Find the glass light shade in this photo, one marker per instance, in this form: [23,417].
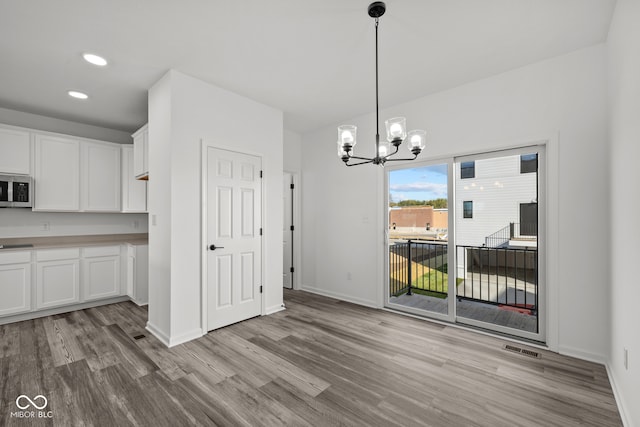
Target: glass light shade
[416,140]
[384,149]
[347,135]
[396,129]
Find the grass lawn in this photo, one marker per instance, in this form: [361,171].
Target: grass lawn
[434,282]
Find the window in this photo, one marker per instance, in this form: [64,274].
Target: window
[467,170]
[529,163]
[467,209]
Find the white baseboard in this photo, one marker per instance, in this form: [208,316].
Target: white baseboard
[617,396]
[581,354]
[156,332]
[172,341]
[337,295]
[274,309]
[187,336]
[58,310]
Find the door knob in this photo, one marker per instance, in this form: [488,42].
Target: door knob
[214,247]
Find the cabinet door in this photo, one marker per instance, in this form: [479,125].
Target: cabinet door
[100,277]
[140,152]
[15,289]
[57,174]
[57,283]
[134,191]
[15,151]
[100,177]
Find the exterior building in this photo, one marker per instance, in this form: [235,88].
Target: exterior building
[418,222]
[492,194]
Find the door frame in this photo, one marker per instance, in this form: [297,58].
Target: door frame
[205,144]
[297,233]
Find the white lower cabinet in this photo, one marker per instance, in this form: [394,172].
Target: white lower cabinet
[15,283]
[33,280]
[100,272]
[57,277]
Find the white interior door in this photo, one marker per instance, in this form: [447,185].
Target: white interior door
[287,232]
[233,217]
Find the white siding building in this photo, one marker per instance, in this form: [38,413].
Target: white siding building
[491,194]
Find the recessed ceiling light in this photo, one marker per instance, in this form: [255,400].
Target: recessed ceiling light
[76,94]
[95,59]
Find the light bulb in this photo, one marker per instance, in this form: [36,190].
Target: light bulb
[382,150]
[395,130]
[415,140]
[347,137]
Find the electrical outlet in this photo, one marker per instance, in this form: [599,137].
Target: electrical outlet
[626,359]
[136,223]
[349,275]
[153,220]
[46,225]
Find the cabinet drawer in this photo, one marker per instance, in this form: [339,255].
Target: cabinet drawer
[57,254]
[101,251]
[18,257]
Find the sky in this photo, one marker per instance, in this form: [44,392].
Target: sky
[422,183]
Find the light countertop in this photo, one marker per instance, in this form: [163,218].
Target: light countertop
[51,242]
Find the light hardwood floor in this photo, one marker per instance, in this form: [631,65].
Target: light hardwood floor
[320,362]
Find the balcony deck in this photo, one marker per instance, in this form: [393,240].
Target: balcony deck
[475,310]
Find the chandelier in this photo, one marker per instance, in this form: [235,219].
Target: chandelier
[396,127]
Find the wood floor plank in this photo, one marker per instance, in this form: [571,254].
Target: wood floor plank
[62,342]
[320,362]
[131,357]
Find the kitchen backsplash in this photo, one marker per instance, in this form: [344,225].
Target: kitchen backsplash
[26,223]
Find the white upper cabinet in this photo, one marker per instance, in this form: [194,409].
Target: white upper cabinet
[57,173]
[141,153]
[134,192]
[100,177]
[15,151]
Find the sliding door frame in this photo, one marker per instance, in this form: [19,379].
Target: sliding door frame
[541,290]
[547,165]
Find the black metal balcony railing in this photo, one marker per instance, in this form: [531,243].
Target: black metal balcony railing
[512,231]
[415,264]
[499,276]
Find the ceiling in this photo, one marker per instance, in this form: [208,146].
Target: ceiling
[313,60]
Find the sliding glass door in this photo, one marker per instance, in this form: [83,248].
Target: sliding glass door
[497,210]
[466,243]
[418,244]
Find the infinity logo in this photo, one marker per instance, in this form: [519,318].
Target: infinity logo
[23,397]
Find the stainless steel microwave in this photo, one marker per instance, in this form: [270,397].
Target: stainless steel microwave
[16,191]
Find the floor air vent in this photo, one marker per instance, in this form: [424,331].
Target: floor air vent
[524,351]
[139,337]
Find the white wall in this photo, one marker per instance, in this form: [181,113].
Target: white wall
[624,132]
[50,124]
[26,223]
[292,146]
[182,112]
[563,99]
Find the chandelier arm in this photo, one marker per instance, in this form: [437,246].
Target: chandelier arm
[360,163]
[361,158]
[398,160]
[395,152]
